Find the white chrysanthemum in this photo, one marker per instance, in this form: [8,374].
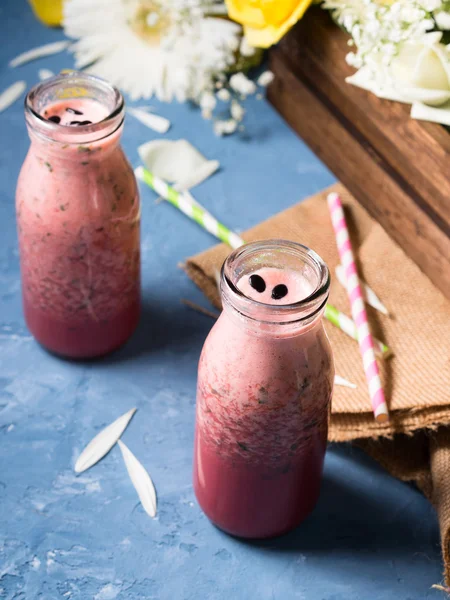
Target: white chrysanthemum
[169,48]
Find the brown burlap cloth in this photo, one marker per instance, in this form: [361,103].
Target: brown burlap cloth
[415,444]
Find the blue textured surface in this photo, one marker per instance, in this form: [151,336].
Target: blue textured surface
[87,537]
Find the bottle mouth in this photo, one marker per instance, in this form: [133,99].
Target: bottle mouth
[74,85]
[285,256]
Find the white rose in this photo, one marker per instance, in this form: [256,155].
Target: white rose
[420,71]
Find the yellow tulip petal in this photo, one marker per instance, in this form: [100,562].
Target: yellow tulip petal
[245,12]
[50,12]
[264,37]
[277,12]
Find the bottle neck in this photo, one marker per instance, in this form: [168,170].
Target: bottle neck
[276,330]
[94,139]
[258,312]
[92,151]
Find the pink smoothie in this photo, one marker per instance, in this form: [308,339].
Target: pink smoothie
[263,405]
[274,286]
[78,221]
[75,113]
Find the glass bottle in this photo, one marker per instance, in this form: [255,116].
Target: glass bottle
[265,383]
[78,219]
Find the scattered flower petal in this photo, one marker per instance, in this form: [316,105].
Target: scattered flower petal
[265,78]
[145,107]
[140,479]
[39,52]
[103,442]
[11,94]
[155,122]
[344,382]
[178,162]
[45,74]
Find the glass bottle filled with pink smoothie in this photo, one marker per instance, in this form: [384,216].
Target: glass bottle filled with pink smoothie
[265,382]
[78,218]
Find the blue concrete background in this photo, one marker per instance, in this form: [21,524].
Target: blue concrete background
[87,537]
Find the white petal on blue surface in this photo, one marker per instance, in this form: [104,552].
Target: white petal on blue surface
[39,52]
[140,479]
[11,94]
[103,442]
[155,122]
[178,162]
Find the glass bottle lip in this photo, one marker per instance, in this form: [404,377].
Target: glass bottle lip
[305,310]
[81,82]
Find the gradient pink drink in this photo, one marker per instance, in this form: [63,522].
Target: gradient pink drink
[78,217]
[264,392]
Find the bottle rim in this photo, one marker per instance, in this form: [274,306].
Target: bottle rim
[303,310]
[75,85]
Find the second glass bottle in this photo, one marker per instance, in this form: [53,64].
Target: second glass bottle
[78,218]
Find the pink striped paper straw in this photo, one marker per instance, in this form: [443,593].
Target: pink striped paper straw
[359,314]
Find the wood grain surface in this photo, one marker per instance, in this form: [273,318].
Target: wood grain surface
[398,168]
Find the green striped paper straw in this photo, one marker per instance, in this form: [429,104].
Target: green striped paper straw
[202,217]
[345,324]
[190,208]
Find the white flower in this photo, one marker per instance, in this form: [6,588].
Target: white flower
[265,78]
[431,5]
[442,19]
[353,60]
[225,127]
[245,48]
[379,28]
[237,111]
[420,72]
[224,95]
[169,48]
[208,101]
[242,84]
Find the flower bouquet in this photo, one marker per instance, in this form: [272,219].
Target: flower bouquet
[193,49]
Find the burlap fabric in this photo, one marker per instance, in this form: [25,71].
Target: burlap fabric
[414,445]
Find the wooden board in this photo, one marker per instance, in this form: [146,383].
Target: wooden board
[398,168]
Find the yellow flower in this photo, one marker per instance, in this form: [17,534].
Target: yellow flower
[48,11]
[266,21]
